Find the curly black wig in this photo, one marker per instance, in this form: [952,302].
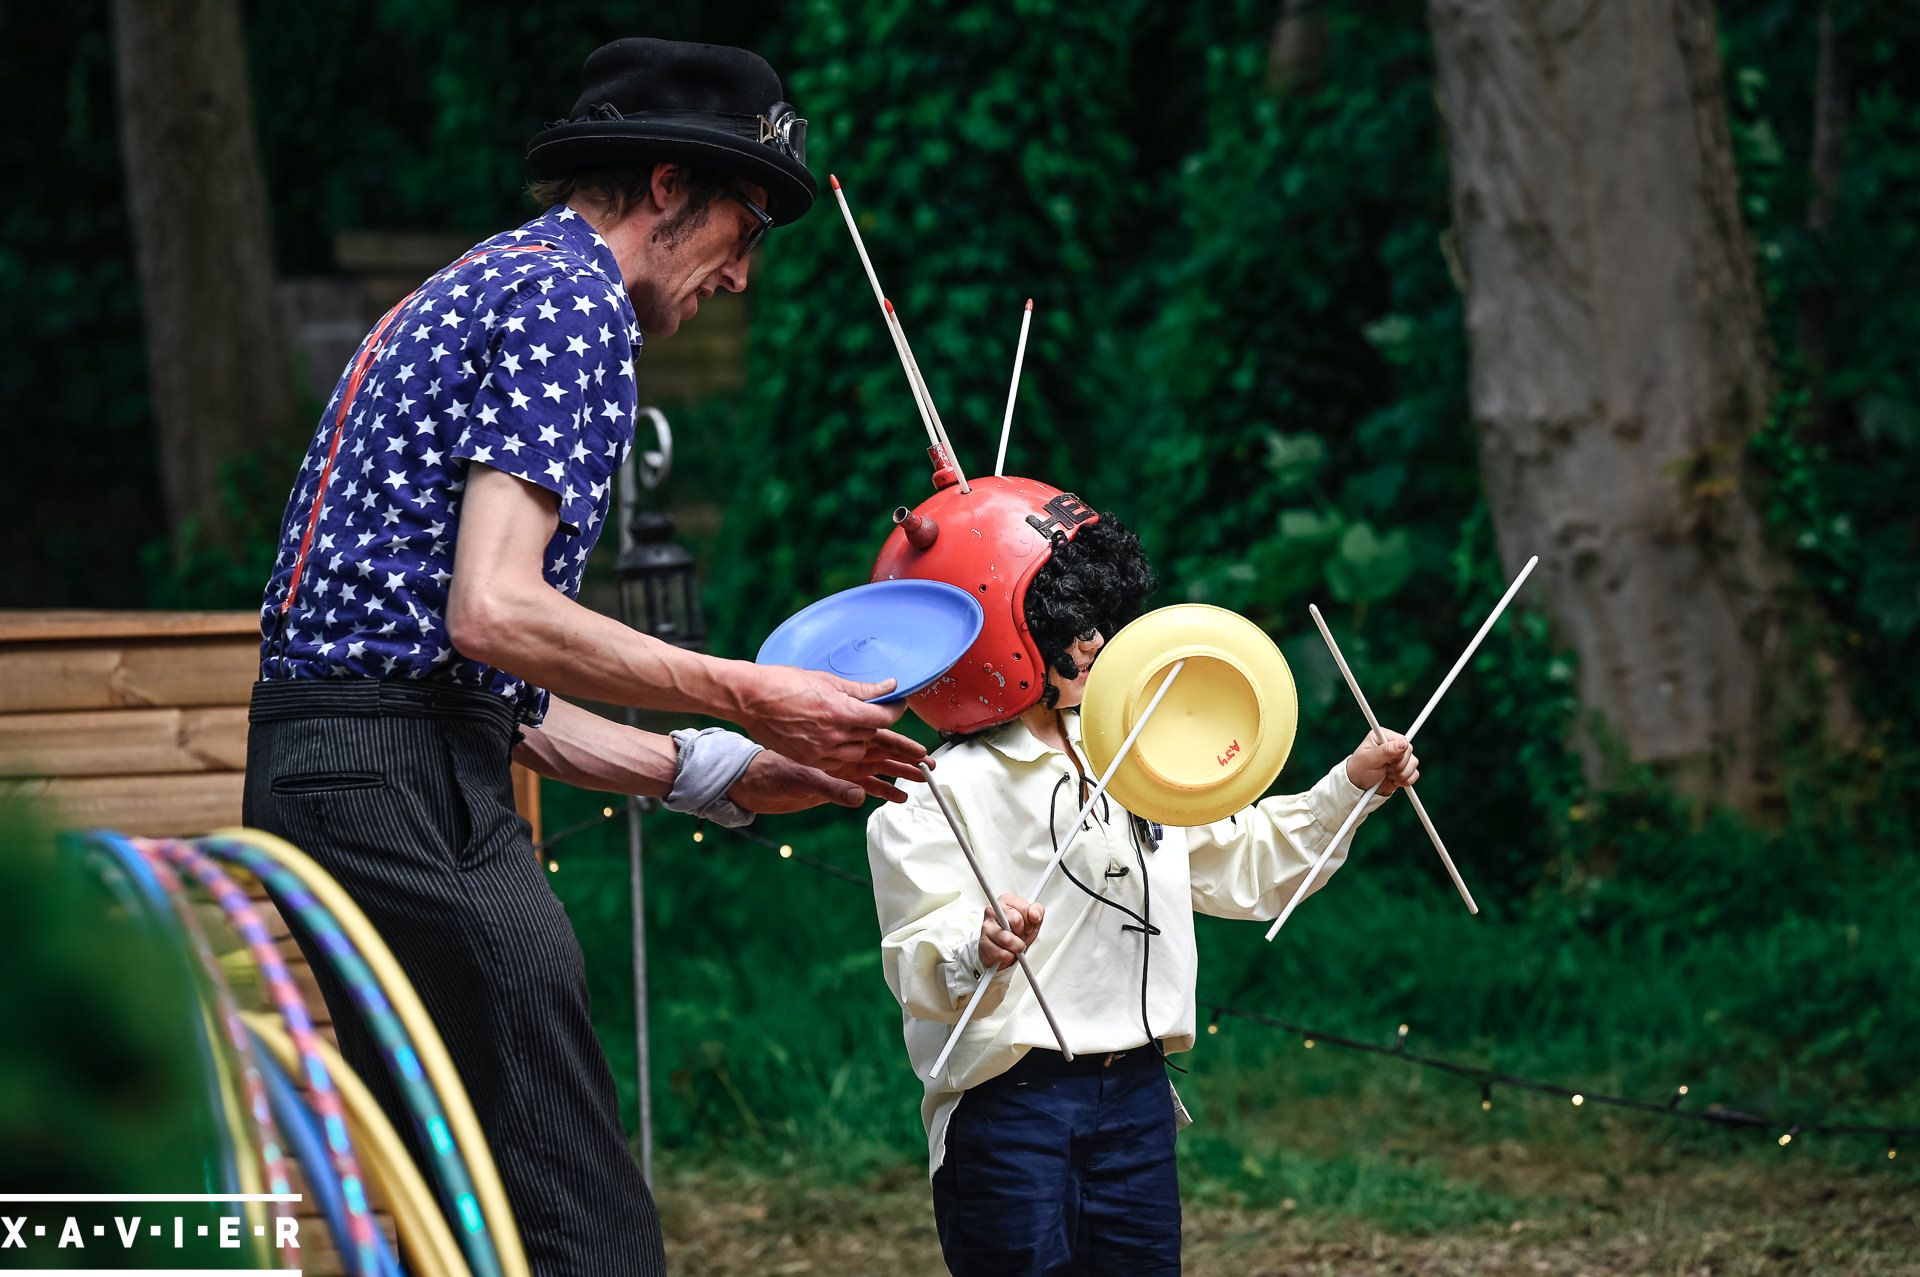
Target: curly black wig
[1100,580]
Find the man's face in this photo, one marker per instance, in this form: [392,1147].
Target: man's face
[692,257]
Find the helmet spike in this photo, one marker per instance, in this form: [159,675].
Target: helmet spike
[920,530]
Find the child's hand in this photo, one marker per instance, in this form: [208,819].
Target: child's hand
[999,946]
[1392,765]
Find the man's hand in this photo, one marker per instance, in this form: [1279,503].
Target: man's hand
[872,776]
[774,785]
[999,946]
[1392,765]
[824,721]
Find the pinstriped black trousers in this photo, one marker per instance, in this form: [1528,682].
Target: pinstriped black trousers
[402,793]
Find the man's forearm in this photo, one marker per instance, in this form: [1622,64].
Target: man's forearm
[542,636]
[581,748]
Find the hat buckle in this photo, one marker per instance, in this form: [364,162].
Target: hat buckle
[777,127]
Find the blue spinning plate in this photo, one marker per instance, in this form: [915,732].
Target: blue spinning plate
[908,631]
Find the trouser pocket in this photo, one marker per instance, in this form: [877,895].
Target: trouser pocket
[332,782]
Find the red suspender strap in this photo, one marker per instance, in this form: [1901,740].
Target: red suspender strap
[370,350]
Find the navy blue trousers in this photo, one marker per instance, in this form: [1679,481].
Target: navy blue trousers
[1061,1168]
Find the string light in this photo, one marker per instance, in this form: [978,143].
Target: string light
[591,822]
[1487,1079]
[1309,1038]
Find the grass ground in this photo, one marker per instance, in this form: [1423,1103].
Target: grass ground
[1617,1200]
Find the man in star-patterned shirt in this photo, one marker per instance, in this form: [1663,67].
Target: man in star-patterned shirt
[422,609]
[518,357]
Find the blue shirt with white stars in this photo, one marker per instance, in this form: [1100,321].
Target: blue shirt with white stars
[518,356]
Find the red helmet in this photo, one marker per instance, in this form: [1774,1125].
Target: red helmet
[989,542]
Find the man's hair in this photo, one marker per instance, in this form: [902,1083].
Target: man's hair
[1100,580]
[619,189]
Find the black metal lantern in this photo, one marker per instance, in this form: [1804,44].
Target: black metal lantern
[659,589]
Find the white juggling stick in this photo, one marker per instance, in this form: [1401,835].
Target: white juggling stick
[1013,390]
[1419,808]
[1353,817]
[922,399]
[1086,808]
[980,876]
[920,382]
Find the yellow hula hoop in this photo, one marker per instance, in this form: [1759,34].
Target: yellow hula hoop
[462,1122]
[425,1235]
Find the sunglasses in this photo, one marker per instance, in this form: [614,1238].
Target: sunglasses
[763,223]
[782,129]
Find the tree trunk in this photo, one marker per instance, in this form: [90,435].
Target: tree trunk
[217,361]
[1824,172]
[1620,364]
[1297,54]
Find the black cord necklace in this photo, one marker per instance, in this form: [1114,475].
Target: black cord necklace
[1142,922]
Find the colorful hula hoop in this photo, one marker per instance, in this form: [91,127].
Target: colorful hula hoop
[425,1236]
[358,1249]
[449,1169]
[464,1125]
[161,907]
[310,1147]
[273,1157]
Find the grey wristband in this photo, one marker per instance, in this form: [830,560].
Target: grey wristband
[711,760]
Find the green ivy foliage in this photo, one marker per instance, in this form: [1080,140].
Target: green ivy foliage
[984,164]
[1842,475]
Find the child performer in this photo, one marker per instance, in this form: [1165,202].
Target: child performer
[1041,1165]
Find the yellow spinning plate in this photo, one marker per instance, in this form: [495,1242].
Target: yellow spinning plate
[1219,738]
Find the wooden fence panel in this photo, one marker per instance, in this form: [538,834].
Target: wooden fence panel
[123,742]
[108,675]
[156,806]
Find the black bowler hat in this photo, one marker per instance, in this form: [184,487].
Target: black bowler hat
[709,106]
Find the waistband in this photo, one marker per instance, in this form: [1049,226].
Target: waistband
[1041,1062]
[280,699]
